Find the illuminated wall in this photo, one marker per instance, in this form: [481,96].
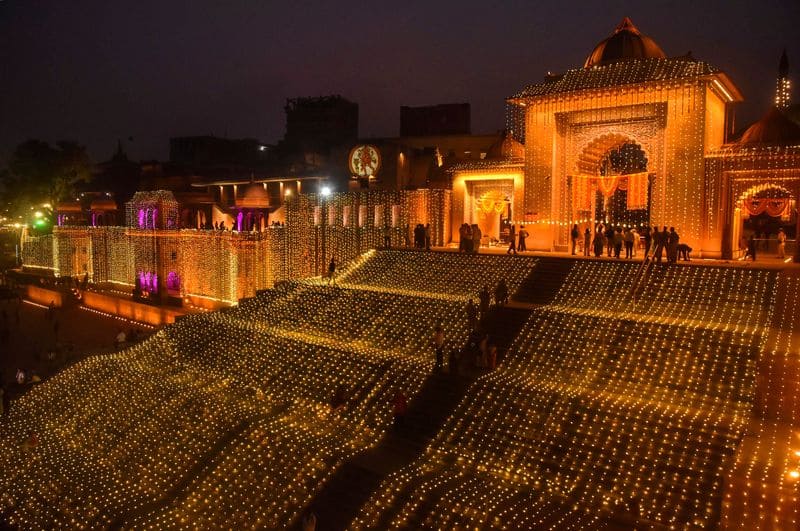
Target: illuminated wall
[38,252]
[731,171]
[225,266]
[512,174]
[674,122]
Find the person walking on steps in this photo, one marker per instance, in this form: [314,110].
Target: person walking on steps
[332,272]
[438,346]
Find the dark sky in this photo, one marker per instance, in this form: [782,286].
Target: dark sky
[98,70]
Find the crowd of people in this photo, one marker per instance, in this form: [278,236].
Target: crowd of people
[664,243]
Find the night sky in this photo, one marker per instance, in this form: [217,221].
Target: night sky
[98,70]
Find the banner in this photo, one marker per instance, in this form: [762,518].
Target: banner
[773,207]
[637,191]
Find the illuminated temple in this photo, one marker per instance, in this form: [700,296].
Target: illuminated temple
[626,396]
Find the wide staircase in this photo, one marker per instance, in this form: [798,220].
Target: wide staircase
[608,412]
[224,419]
[624,400]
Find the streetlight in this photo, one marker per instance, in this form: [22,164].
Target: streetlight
[325,191]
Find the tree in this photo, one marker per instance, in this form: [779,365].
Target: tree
[41,174]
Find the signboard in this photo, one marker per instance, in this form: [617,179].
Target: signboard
[364,161]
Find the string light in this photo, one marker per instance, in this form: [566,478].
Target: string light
[605,409]
[234,405]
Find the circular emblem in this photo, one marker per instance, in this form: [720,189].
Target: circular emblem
[364,160]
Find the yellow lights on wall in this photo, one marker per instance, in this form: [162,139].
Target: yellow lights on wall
[666,107]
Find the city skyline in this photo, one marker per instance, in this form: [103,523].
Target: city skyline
[104,72]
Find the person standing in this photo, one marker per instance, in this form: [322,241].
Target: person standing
[598,243]
[672,246]
[484,299]
[587,242]
[501,293]
[512,236]
[523,234]
[332,272]
[636,241]
[438,346]
[648,239]
[781,243]
[658,241]
[617,242]
[628,244]
[574,234]
[751,248]
[476,238]
[472,315]
[387,237]
[609,240]
[399,408]
[427,236]
[407,235]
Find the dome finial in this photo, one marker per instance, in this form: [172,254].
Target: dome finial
[627,25]
[626,43]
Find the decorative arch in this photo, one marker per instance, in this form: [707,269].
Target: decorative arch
[592,153]
[777,201]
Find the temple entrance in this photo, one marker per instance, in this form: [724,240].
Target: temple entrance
[760,213]
[489,205]
[614,201]
[612,185]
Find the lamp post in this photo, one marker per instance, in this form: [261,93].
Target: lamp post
[325,191]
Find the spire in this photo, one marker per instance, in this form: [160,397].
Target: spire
[782,91]
[627,25]
[783,67]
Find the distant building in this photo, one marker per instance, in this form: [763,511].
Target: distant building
[211,151]
[435,120]
[422,161]
[320,123]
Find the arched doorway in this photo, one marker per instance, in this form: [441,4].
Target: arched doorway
[612,184]
[626,160]
[761,211]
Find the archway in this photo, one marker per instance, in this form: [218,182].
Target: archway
[612,184]
[760,211]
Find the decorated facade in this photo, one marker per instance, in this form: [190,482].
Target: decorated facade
[622,140]
[159,262]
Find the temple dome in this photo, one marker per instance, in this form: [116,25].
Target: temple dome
[626,43]
[506,148]
[255,196]
[103,203]
[773,129]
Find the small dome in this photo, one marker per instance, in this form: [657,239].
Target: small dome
[103,203]
[626,43]
[255,196]
[773,129]
[69,206]
[506,148]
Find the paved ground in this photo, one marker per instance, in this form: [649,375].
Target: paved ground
[32,337]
